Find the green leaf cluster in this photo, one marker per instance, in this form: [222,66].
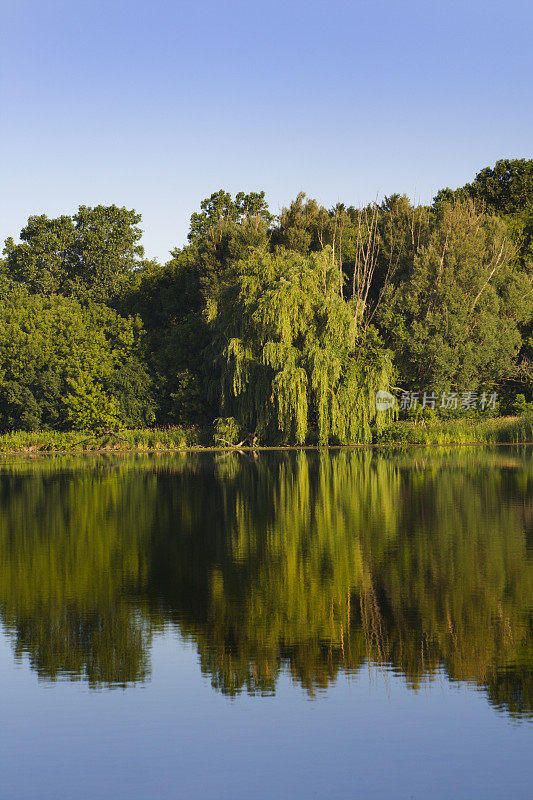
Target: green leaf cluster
[454,320]
[293,363]
[63,365]
[88,256]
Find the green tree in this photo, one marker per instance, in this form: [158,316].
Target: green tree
[171,300]
[89,408]
[304,226]
[453,322]
[65,365]
[292,362]
[506,190]
[88,256]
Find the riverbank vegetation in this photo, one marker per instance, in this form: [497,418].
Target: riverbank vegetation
[469,431]
[494,430]
[273,330]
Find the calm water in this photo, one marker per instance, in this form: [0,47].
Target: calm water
[290,626]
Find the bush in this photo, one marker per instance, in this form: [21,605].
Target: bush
[521,406]
[226,431]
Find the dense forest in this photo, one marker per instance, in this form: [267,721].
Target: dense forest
[280,329]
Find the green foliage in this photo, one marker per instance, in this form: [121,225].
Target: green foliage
[304,226]
[169,301]
[292,363]
[288,324]
[454,321]
[226,431]
[87,256]
[220,214]
[63,365]
[89,408]
[172,299]
[506,190]
[132,439]
[521,406]
[425,430]
[465,430]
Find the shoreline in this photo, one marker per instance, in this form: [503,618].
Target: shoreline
[404,434]
[246,450]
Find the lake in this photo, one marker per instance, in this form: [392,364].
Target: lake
[278,625]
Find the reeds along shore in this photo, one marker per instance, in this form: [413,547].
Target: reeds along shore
[497,430]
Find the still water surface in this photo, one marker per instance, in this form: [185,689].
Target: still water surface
[293,625]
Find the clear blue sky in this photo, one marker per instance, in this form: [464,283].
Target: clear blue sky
[154,105]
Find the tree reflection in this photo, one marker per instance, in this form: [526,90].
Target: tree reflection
[310,563]
[73,549]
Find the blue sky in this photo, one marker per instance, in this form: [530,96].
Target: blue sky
[154,105]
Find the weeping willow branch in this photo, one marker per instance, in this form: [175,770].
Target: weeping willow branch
[298,369]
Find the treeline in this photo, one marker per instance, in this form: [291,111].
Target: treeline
[282,328]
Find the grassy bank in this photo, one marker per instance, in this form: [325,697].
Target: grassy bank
[148,440]
[499,430]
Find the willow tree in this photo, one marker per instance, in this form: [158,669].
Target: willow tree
[294,366]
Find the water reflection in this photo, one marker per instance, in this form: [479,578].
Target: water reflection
[310,563]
